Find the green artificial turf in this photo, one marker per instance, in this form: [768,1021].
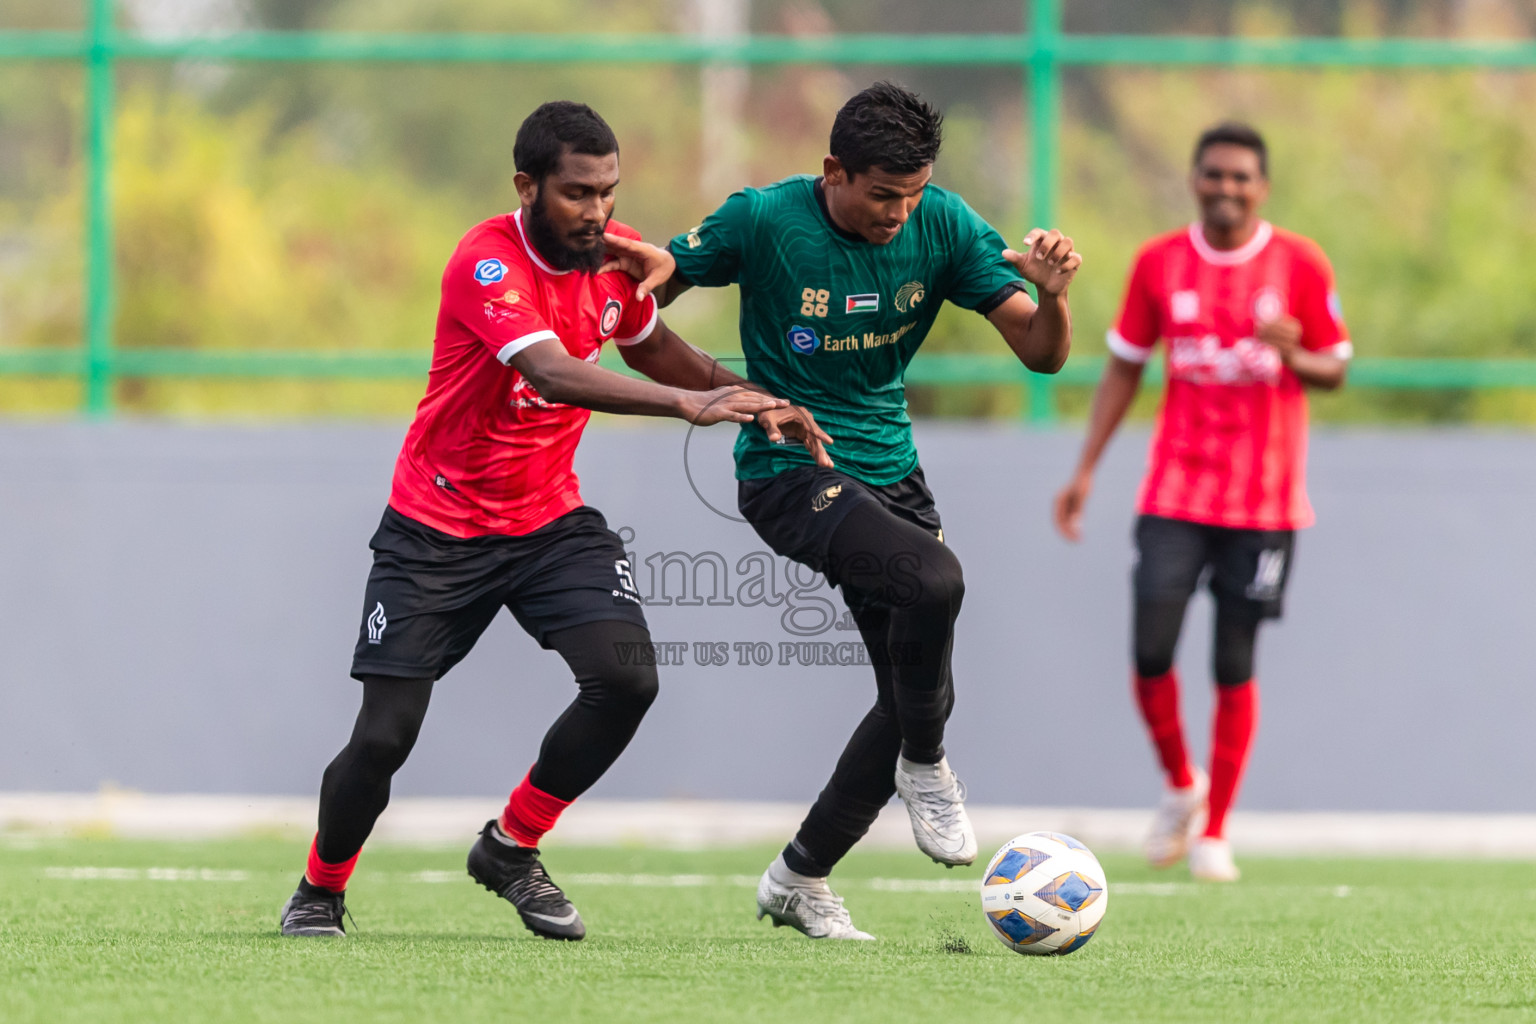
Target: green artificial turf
[187,931]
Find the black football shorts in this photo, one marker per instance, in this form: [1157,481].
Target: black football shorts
[797,511]
[430,595]
[1250,566]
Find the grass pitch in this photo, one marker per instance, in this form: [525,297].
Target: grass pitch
[112,930]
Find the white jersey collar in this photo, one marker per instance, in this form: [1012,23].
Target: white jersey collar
[1230,257]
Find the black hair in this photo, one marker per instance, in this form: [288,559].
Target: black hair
[1233,133]
[888,127]
[556,129]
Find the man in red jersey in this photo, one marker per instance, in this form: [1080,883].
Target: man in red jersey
[485,511]
[1249,318]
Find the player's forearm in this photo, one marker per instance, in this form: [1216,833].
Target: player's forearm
[1046,340]
[1317,369]
[569,381]
[670,289]
[1116,390]
[672,361]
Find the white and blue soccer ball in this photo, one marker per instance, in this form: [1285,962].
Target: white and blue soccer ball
[1044,894]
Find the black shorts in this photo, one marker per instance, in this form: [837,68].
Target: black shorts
[1250,566]
[797,511]
[430,595]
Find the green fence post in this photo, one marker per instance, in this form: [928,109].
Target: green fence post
[1045,144]
[99,284]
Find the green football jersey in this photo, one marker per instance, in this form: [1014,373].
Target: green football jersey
[830,321]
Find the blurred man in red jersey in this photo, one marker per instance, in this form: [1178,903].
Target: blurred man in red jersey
[1249,319]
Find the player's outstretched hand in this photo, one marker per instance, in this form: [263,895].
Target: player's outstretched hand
[797,422]
[649,264]
[728,405]
[1048,261]
[1068,508]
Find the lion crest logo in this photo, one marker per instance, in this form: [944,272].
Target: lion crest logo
[909,296]
[822,501]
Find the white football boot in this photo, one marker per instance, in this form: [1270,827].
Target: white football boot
[1176,818]
[806,904]
[1210,860]
[935,800]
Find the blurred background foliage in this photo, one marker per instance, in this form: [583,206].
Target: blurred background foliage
[283,206]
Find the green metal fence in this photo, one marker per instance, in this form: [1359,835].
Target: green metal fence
[1041,54]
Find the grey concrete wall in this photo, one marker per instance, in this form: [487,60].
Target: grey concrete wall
[178,607]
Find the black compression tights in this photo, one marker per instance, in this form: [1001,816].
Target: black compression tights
[1236,632]
[584,741]
[905,588]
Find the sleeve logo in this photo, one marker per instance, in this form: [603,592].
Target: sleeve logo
[909,296]
[490,271]
[869,302]
[803,340]
[1335,307]
[694,241]
[611,312]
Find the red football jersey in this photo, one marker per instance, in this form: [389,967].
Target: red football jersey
[486,454]
[1230,446]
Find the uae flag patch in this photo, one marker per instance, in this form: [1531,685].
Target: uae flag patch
[869,303]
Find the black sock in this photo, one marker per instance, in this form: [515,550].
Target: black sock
[933,756]
[310,891]
[798,860]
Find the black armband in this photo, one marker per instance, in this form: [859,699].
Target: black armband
[1000,296]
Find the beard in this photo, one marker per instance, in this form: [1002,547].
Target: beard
[561,256]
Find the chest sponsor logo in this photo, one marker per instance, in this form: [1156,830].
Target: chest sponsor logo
[803,339]
[813,301]
[490,271]
[869,302]
[1268,304]
[611,312]
[824,500]
[1184,307]
[376,624]
[1206,360]
[869,339]
[909,296]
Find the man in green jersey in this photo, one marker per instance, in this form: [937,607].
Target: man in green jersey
[841,277]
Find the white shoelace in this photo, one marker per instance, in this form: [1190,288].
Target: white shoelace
[825,903]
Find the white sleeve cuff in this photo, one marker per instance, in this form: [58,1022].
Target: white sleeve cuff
[645,332]
[515,346]
[1125,350]
[1343,350]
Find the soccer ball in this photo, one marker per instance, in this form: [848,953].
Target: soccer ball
[1044,894]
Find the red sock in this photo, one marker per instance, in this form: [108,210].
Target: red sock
[530,813]
[1158,698]
[1237,716]
[328,876]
